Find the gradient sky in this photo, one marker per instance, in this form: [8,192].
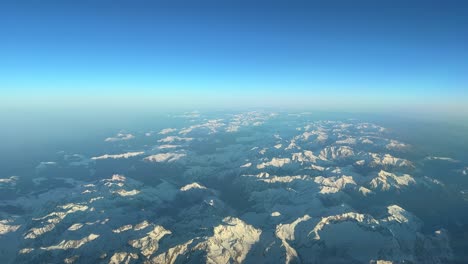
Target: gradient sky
[330,54]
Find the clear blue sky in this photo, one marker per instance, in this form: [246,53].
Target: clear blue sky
[331,54]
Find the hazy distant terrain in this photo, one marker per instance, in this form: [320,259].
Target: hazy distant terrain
[242,187]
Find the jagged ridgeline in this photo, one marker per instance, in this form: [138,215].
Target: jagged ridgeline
[255,187]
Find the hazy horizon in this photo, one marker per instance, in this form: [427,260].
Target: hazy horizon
[366,56]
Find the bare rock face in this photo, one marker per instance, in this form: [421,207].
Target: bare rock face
[285,232]
[49,221]
[123,258]
[72,244]
[6,227]
[333,184]
[171,255]
[274,162]
[306,156]
[165,157]
[389,181]
[230,242]
[149,243]
[384,161]
[336,153]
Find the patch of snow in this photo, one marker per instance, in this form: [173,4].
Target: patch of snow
[194,185]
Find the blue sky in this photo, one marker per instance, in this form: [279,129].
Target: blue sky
[330,54]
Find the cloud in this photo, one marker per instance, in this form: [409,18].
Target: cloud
[119,156]
[171,139]
[45,164]
[10,180]
[120,137]
[167,131]
[168,146]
